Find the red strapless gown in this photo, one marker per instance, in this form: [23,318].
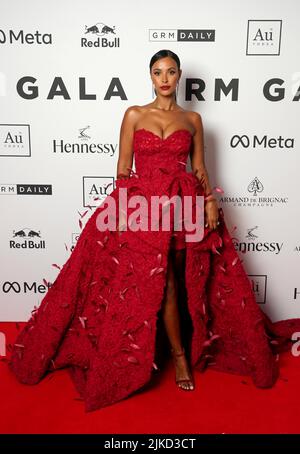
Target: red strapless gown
[100,316]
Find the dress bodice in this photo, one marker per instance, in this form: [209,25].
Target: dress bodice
[152,151]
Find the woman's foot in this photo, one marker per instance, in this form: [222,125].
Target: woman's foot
[183,376]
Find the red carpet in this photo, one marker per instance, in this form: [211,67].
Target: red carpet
[221,403]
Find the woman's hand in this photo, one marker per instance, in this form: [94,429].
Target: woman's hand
[211,214]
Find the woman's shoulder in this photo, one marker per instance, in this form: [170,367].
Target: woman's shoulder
[136,108]
[192,114]
[194,118]
[134,112]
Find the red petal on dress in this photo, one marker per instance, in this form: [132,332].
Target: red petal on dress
[56,266]
[132,359]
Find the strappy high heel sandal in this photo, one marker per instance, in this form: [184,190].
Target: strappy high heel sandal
[179,381]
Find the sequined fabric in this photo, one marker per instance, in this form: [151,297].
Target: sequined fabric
[99,318]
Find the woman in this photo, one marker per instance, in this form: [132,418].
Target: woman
[101,317]
[163,117]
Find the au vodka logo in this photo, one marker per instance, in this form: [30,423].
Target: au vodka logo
[15,140]
[259,287]
[96,189]
[263,37]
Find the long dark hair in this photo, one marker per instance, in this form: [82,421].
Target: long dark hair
[162,54]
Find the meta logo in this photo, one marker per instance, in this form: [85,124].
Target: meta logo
[20,37]
[244,141]
[103,36]
[24,287]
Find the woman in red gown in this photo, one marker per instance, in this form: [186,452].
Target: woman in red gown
[121,291]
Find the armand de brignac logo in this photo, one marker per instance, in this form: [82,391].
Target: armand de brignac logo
[255,186]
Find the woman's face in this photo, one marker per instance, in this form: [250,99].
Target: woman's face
[165,73]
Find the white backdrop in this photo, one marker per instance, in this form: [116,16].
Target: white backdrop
[56,152]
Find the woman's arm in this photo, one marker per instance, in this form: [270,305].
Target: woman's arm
[197,154]
[125,159]
[199,169]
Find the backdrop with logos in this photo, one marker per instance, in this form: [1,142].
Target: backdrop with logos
[70,69]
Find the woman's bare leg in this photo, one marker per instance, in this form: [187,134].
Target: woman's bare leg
[171,320]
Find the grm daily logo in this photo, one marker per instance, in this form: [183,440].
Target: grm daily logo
[188,35]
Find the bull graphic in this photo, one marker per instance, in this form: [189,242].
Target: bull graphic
[100,29]
[19,233]
[107,29]
[32,233]
[93,29]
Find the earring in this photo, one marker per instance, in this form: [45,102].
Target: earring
[153,91]
[177,90]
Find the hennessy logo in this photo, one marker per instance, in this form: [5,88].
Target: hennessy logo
[82,134]
[250,233]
